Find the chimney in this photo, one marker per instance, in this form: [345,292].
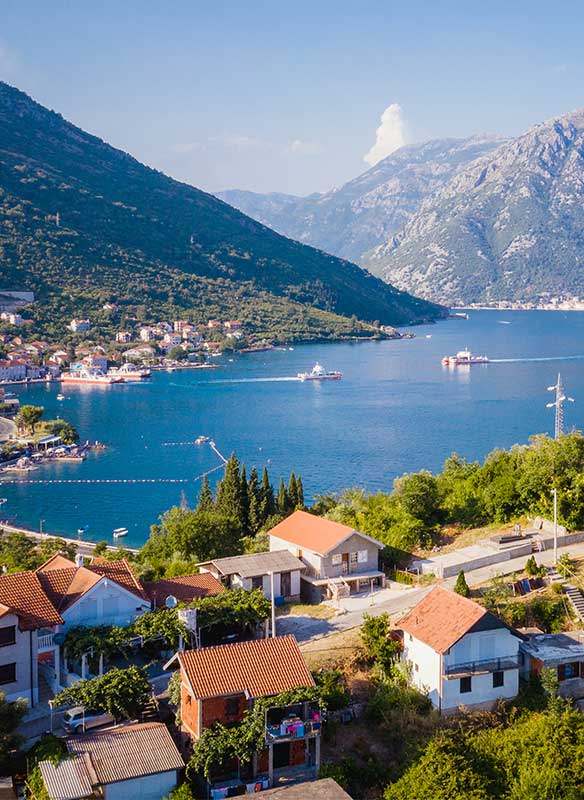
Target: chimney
[79,560]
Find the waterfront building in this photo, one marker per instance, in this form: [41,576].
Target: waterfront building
[12,370]
[339,560]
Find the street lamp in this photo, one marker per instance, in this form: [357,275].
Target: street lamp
[555,494]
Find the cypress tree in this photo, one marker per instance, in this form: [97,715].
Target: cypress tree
[461,586]
[299,492]
[229,500]
[292,492]
[283,502]
[268,504]
[244,499]
[255,501]
[205,502]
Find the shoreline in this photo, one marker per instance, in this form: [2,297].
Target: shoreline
[82,544]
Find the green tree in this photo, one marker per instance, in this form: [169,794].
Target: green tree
[255,502]
[123,693]
[29,417]
[59,427]
[229,498]
[292,492]
[299,492]
[268,503]
[380,648]
[244,519]
[461,586]
[11,715]
[205,502]
[283,501]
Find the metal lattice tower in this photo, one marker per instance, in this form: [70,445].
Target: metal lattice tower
[558,404]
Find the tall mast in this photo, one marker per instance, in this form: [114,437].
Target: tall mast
[558,404]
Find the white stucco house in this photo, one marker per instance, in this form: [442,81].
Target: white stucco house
[133,760]
[38,606]
[459,653]
[252,571]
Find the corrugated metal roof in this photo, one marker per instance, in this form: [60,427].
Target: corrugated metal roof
[128,751]
[259,668]
[254,564]
[69,780]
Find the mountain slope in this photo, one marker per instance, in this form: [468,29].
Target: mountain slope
[510,227]
[129,233]
[366,211]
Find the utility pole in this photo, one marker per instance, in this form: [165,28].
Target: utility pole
[558,404]
[555,494]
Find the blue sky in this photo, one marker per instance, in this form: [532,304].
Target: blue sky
[275,96]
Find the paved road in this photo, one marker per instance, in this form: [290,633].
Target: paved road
[84,548]
[307,629]
[7,429]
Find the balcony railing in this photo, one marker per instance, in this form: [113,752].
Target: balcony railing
[45,642]
[477,667]
[296,730]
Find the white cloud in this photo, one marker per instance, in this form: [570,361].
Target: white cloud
[304,148]
[389,136]
[243,143]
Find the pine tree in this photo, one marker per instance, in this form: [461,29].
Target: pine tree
[268,504]
[283,502]
[244,499]
[299,492]
[461,586]
[205,502]
[292,492]
[229,500]
[255,501]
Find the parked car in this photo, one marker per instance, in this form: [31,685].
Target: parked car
[80,719]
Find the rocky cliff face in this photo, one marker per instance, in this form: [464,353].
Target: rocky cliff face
[368,210]
[510,226]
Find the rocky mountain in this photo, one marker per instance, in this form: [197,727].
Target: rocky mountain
[368,210]
[508,227]
[82,223]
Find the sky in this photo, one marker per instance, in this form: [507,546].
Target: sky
[292,97]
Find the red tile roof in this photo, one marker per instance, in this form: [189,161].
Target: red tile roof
[23,594]
[259,668]
[443,617]
[314,533]
[56,562]
[120,572]
[185,588]
[56,583]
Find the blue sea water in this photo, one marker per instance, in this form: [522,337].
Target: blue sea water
[396,409]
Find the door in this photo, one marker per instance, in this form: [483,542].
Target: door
[281,755]
[345,563]
[285,584]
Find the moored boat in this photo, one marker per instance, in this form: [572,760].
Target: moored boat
[119,532]
[89,375]
[129,372]
[319,373]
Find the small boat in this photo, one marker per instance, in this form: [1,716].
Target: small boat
[3,500]
[60,397]
[201,440]
[464,358]
[290,348]
[82,530]
[319,373]
[119,532]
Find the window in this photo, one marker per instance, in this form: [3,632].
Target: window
[8,635]
[362,556]
[232,707]
[337,559]
[465,685]
[498,679]
[354,559]
[257,582]
[7,673]
[572,670]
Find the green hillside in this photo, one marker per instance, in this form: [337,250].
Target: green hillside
[157,247]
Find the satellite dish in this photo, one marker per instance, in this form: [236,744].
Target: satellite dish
[171,601]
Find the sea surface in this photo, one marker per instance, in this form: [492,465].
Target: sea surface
[395,410]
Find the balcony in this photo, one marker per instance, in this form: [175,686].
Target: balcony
[481,667]
[299,721]
[45,641]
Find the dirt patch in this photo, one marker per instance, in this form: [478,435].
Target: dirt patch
[319,611]
[332,651]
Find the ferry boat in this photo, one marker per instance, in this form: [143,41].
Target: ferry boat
[464,358]
[90,375]
[119,532]
[319,373]
[129,372]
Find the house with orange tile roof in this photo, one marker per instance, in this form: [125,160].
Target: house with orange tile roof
[184,588]
[221,684]
[36,606]
[339,560]
[459,653]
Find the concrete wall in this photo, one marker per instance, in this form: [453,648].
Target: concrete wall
[20,654]
[106,603]
[150,787]
[424,665]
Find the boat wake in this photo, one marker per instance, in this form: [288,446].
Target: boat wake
[541,358]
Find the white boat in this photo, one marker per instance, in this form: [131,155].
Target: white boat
[60,397]
[119,532]
[201,439]
[89,375]
[464,358]
[129,372]
[319,373]
[3,500]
